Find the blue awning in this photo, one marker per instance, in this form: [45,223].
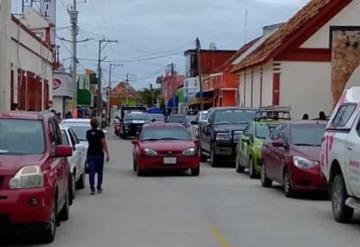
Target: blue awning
[206,94]
[170,103]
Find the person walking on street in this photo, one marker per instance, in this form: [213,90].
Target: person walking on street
[95,156]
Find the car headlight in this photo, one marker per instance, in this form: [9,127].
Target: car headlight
[222,137]
[303,163]
[150,152]
[190,152]
[27,177]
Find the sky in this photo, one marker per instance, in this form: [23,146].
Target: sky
[154,33]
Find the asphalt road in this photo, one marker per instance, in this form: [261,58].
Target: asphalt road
[218,209]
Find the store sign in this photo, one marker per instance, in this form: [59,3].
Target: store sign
[63,85]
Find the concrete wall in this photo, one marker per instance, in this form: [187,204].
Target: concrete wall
[305,86]
[349,16]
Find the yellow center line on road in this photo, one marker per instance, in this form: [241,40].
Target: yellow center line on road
[218,236]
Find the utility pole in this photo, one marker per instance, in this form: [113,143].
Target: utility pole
[109,90]
[198,55]
[5,90]
[99,90]
[74,32]
[173,83]
[151,95]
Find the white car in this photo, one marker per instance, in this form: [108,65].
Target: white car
[194,128]
[77,160]
[80,127]
[340,155]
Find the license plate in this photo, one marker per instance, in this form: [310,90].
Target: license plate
[169,161]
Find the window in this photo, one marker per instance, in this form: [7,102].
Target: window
[307,135]
[65,139]
[343,115]
[154,134]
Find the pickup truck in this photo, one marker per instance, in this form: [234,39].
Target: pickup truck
[340,156]
[221,132]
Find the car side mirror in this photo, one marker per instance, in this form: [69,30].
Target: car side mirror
[279,143]
[194,122]
[245,139]
[63,151]
[135,142]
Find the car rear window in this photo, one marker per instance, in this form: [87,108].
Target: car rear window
[233,117]
[21,137]
[307,135]
[262,131]
[154,134]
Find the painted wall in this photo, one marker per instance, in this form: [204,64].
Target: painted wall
[349,16]
[305,87]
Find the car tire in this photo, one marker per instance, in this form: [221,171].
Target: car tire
[239,168]
[341,212]
[64,214]
[203,157]
[134,165]
[72,188]
[265,181]
[80,184]
[213,158]
[195,172]
[288,188]
[47,235]
[252,172]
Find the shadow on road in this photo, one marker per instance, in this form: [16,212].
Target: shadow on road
[19,239]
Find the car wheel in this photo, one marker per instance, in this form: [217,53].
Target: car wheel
[239,168]
[252,173]
[195,172]
[139,171]
[48,235]
[80,184]
[65,211]
[213,158]
[341,212]
[265,181]
[203,158]
[288,189]
[134,165]
[72,188]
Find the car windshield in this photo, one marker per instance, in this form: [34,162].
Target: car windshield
[310,135]
[157,117]
[137,116]
[262,131]
[14,132]
[154,134]
[80,130]
[233,117]
[177,119]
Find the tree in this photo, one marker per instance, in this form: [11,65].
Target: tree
[149,98]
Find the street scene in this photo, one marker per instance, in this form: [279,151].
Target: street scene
[118,128]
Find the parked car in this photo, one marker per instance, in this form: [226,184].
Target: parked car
[132,124]
[128,109]
[35,176]
[165,146]
[80,127]
[177,118]
[248,150]
[291,156]
[220,134]
[77,161]
[340,156]
[250,144]
[156,117]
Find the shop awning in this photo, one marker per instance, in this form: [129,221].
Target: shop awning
[84,97]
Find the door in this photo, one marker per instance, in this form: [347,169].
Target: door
[244,147]
[272,153]
[77,154]
[352,158]
[280,154]
[208,132]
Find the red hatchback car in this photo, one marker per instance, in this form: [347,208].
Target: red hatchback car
[34,173]
[291,157]
[165,146]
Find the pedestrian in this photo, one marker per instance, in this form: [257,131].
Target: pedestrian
[95,156]
[322,116]
[305,116]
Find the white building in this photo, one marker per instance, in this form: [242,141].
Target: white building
[293,66]
[26,70]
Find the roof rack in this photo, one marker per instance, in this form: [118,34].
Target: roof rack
[273,113]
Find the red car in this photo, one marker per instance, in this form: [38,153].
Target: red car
[165,146]
[35,175]
[291,157]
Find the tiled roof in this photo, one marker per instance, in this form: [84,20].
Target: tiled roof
[266,51]
[123,89]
